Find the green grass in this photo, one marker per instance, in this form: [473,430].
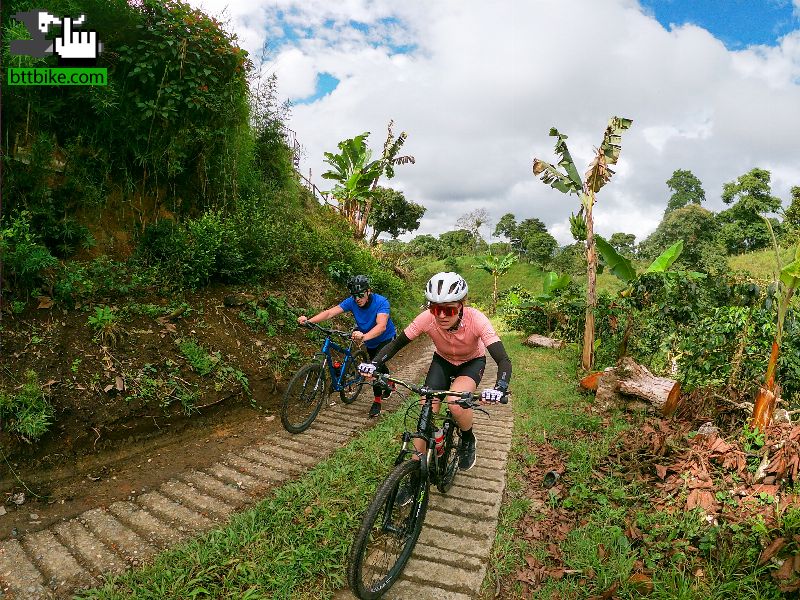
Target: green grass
[292,545]
[548,406]
[527,275]
[760,264]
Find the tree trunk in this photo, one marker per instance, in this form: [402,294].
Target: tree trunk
[626,336]
[587,357]
[374,238]
[361,225]
[632,379]
[540,341]
[765,399]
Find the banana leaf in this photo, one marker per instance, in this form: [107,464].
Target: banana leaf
[666,258]
[617,264]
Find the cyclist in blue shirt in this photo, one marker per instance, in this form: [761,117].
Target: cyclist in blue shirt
[375,327]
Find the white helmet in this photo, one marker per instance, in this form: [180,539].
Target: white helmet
[446,287]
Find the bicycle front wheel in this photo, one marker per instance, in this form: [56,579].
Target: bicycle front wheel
[388,532]
[448,461]
[303,398]
[352,382]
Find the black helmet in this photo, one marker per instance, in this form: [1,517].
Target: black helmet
[358,284]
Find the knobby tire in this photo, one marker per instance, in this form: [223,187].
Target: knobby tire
[303,398]
[448,461]
[371,537]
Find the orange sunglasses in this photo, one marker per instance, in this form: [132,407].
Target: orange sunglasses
[443,311]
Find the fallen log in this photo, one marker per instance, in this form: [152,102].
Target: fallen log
[628,378]
[541,341]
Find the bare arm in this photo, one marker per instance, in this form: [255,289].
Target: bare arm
[380,326]
[321,316]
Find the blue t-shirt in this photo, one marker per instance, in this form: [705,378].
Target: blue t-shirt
[366,317]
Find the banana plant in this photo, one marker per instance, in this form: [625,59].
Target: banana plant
[624,270]
[788,282]
[552,282]
[565,178]
[497,266]
[356,174]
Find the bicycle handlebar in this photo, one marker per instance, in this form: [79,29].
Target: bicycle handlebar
[465,399]
[342,334]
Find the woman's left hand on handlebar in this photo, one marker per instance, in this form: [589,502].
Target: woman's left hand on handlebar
[357,336]
[367,369]
[491,396]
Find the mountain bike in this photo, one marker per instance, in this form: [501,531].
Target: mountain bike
[390,527]
[333,369]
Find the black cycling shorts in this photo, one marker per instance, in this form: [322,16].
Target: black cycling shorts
[442,372]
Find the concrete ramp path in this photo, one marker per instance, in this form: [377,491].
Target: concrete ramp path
[453,548]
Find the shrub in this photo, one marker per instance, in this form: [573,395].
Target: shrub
[24,257]
[105,324]
[28,412]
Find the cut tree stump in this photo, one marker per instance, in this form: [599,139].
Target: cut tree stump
[629,378]
[540,341]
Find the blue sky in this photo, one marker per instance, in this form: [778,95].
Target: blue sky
[737,23]
[711,86]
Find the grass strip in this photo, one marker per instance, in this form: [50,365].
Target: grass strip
[293,544]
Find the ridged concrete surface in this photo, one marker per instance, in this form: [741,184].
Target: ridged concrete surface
[453,548]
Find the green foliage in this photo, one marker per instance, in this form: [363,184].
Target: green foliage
[425,245]
[570,259]
[182,94]
[459,242]
[531,239]
[741,227]
[699,229]
[27,411]
[197,357]
[76,282]
[686,189]
[105,323]
[25,259]
[173,118]
[624,243]
[392,213]
[506,226]
[271,316]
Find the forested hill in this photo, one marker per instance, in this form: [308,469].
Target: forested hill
[131,211]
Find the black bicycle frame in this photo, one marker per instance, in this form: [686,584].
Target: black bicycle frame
[424,432]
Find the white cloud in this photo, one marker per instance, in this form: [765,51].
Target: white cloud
[483,83]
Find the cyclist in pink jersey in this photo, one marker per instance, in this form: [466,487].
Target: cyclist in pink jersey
[461,335]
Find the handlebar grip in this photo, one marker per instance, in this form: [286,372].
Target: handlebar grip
[504,399]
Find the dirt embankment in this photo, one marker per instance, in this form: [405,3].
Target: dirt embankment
[121,400]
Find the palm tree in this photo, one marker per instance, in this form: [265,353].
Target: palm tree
[497,266]
[569,181]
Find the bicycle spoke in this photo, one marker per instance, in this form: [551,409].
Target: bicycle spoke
[303,398]
[352,382]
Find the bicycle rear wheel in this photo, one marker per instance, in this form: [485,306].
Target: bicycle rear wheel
[448,461]
[388,533]
[352,382]
[303,397]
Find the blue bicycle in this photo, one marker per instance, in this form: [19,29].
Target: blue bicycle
[326,373]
